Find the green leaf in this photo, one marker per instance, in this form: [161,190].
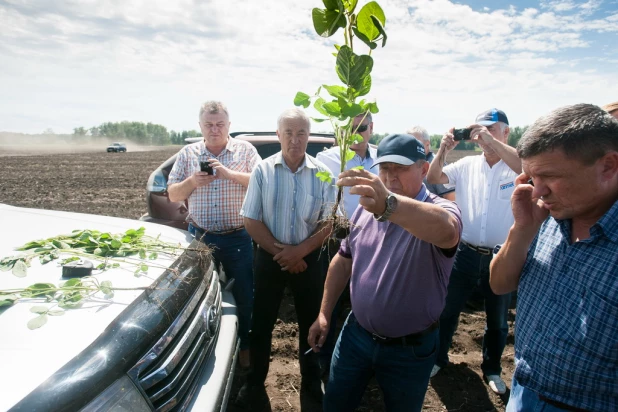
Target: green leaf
[68,260]
[7,300]
[39,309]
[142,253]
[106,287]
[349,155]
[116,244]
[352,110]
[373,107]
[39,290]
[364,22]
[20,269]
[332,108]
[71,283]
[331,4]
[380,28]
[351,68]
[319,106]
[327,22]
[354,138]
[360,167]
[350,5]
[337,91]
[324,176]
[153,256]
[45,259]
[365,88]
[98,251]
[37,322]
[56,312]
[317,120]
[372,45]
[144,268]
[302,99]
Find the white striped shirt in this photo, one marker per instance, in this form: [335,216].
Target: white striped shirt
[290,204]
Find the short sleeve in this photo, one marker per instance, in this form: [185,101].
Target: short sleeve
[252,205]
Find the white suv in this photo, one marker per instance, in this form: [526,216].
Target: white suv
[166,340]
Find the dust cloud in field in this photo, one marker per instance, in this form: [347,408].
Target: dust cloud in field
[19,144]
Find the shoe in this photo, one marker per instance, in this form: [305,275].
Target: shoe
[313,388]
[253,396]
[496,384]
[434,371]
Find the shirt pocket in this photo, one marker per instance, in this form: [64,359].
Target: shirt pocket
[309,207]
[598,327]
[506,188]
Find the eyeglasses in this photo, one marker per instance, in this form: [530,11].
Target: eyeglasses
[362,128]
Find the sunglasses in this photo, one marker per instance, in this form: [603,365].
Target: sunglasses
[362,128]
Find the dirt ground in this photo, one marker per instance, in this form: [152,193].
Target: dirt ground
[113,184]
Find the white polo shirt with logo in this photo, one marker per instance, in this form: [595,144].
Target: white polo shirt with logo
[483,194]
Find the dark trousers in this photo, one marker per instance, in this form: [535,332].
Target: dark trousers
[235,252]
[270,282]
[471,269]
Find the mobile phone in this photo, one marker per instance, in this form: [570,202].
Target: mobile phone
[205,167]
[461,134]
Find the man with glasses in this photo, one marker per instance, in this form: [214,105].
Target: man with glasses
[365,157]
[214,174]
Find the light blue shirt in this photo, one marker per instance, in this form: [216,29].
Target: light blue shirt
[332,159]
[290,204]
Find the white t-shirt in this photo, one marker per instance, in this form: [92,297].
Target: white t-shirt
[483,194]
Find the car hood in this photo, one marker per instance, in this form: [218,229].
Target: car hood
[29,357]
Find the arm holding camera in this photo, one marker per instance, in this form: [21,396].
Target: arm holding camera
[435,174]
[182,190]
[225,173]
[508,154]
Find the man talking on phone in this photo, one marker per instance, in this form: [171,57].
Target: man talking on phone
[483,188]
[213,175]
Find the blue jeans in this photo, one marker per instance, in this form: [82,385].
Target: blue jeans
[469,270]
[401,371]
[235,252]
[525,400]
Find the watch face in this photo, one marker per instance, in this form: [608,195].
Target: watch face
[391,202]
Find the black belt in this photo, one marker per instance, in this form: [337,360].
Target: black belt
[560,404]
[479,249]
[412,339]
[199,232]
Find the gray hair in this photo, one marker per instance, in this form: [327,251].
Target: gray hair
[367,116]
[582,131]
[293,114]
[420,131]
[213,107]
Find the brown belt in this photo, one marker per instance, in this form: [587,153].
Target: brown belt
[412,339]
[560,404]
[199,232]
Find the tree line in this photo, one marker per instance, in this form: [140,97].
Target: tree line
[149,134]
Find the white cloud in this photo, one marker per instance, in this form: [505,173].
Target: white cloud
[68,64]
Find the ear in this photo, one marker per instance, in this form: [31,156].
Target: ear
[371,128]
[608,166]
[507,130]
[425,169]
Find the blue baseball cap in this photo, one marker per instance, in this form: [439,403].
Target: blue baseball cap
[491,116]
[403,149]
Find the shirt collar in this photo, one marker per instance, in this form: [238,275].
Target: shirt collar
[307,162]
[230,146]
[422,194]
[606,226]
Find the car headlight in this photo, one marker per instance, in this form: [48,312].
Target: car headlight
[120,396]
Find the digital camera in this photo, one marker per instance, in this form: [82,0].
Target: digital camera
[461,134]
[205,167]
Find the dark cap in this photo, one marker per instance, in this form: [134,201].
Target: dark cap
[491,116]
[402,149]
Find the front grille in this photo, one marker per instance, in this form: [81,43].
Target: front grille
[169,371]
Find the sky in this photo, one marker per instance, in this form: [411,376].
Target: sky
[66,64]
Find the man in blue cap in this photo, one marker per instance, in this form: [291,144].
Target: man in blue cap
[398,258]
[483,188]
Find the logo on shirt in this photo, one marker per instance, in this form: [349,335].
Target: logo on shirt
[507,185]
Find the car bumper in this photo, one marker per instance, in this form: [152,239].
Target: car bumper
[213,388]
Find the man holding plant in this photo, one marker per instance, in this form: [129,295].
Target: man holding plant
[284,212]
[398,258]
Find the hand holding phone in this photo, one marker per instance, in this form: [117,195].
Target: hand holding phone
[205,167]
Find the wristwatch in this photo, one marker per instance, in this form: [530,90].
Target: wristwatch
[391,205]
[497,249]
